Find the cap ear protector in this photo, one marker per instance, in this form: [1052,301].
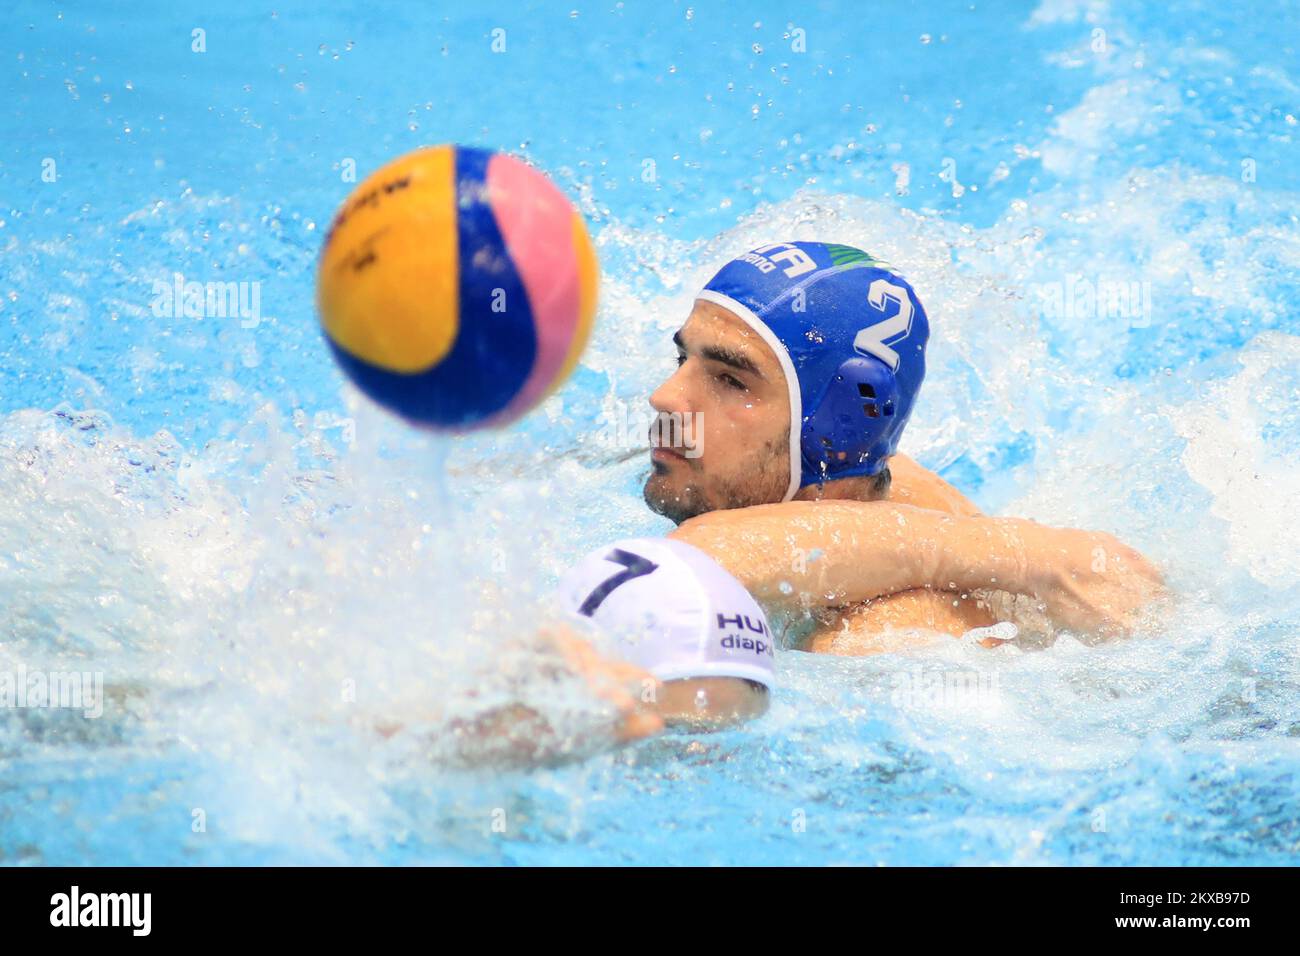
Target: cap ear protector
[851,428]
[849,333]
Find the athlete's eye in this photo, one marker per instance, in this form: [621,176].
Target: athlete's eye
[731,381]
[681,359]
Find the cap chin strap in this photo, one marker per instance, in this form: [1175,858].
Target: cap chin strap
[745,314]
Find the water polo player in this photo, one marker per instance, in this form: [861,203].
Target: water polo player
[801,362]
[655,628]
[668,608]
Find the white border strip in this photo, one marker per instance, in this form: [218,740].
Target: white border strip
[787,366]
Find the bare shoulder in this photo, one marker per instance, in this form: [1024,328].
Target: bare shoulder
[914,484]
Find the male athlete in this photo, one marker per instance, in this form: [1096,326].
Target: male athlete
[803,361]
[655,628]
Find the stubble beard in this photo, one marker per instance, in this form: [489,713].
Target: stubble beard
[757,486]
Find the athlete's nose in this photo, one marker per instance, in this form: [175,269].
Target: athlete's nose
[672,395]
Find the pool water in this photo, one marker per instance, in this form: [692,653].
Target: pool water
[263,568]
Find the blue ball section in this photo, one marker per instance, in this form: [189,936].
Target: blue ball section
[496,343]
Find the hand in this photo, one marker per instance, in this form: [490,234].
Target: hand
[1089,581]
[618,682]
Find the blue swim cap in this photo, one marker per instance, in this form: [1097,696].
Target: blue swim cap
[850,334]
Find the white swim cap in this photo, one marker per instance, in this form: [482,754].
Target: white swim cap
[672,610]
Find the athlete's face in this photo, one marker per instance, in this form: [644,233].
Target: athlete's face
[723,429]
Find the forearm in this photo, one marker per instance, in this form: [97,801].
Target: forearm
[516,717]
[898,622]
[511,736]
[516,736]
[838,553]
[703,704]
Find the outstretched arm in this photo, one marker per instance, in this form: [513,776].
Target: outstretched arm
[837,553]
[518,736]
[810,554]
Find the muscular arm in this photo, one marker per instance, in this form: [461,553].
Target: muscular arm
[703,704]
[903,620]
[897,622]
[516,735]
[837,554]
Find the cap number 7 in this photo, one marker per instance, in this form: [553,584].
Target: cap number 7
[634,566]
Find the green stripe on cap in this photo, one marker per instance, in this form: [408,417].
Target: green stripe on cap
[848,255]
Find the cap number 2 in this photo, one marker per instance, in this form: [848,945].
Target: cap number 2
[872,339]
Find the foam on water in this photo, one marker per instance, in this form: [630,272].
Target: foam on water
[260,604]
[267,571]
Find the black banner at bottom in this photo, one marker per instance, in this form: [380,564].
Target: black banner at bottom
[335,906]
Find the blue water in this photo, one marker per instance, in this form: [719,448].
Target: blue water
[263,567]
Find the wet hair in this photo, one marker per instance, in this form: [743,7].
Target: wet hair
[859,487]
[879,487]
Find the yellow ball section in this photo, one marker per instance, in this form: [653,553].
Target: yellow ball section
[588,280]
[387,284]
